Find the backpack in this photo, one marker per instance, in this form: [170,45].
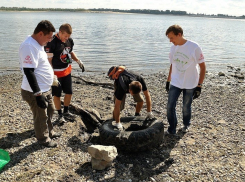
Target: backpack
[118,72]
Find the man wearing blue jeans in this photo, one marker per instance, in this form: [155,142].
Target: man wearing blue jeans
[184,76]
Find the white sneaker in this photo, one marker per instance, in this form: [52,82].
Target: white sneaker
[185,129]
[119,126]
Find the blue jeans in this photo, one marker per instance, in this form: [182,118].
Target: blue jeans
[173,95]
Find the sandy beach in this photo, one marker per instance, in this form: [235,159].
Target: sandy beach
[213,149]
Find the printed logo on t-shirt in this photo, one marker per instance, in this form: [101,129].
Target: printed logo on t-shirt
[28,60]
[201,57]
[181,61]
[64,56]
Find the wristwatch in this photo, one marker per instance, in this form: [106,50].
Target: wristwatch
[199,84]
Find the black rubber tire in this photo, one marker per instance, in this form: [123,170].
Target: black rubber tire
[132,141]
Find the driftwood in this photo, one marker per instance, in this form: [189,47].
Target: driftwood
[105,85]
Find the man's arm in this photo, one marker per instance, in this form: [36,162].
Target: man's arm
[74,57]
[79,62]
[29,72]
[41,100]
[148,100]
[169,74]
[169,79]
[116,111]
[202,72]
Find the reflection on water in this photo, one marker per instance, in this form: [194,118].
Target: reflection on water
[135,40]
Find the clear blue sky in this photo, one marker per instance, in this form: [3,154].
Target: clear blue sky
[229,7]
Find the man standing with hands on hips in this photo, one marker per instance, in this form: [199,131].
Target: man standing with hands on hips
[62,54]
[37,80]
[185,58]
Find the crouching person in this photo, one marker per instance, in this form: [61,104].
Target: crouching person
[128,82]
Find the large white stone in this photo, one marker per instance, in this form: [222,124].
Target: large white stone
[106,153]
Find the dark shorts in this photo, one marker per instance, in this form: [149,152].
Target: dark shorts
[65,86]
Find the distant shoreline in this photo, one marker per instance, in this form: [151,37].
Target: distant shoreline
[118,11]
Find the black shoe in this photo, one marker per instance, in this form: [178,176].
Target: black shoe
[137,114]
[55,135]
[68,114]
[50,144]
[60,120]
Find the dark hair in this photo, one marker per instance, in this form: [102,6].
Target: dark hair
[176,29]
[135,87]
[66,28]
[44,26]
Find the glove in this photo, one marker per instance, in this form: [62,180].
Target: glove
[56,82]
[42,101]
[167,86]
[80,63]
[149,116]
[197,92]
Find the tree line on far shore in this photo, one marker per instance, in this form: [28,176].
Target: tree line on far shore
[142,11]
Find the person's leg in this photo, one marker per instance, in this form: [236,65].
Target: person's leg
[56,92]
[139,106]
[173,95]
[67,101]
[139,102]
[187,101]
[123,99]
[50,111]
[57,103]
[67,89]
[40,117]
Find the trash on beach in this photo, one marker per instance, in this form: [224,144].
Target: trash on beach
[4,158]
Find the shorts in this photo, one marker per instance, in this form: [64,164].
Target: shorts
[65,86]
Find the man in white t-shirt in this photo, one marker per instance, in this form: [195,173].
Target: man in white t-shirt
[184,76]
[37,80]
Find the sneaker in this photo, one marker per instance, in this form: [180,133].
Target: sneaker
[185,129]
[54,135]
[60,120]
[68,114]
[119,126]
[50,144]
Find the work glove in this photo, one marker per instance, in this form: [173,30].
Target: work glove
[42,101]
[167,86]
[80,63]
[56,82]
[149,116]
[197,92]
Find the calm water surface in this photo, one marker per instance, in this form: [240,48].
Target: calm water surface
[136,40]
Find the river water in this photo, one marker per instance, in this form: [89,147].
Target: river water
[135,40]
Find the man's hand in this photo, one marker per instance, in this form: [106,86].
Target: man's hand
[167,86]
[41,101]
[80,63]
[197,92]
[56,82]
[149,116]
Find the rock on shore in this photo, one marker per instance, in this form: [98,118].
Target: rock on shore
[213,149]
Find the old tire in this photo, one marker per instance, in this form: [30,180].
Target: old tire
[137,135]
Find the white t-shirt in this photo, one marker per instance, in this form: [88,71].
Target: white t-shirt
[32,55]
[185,60]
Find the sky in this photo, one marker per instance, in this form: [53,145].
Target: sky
[228,7]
